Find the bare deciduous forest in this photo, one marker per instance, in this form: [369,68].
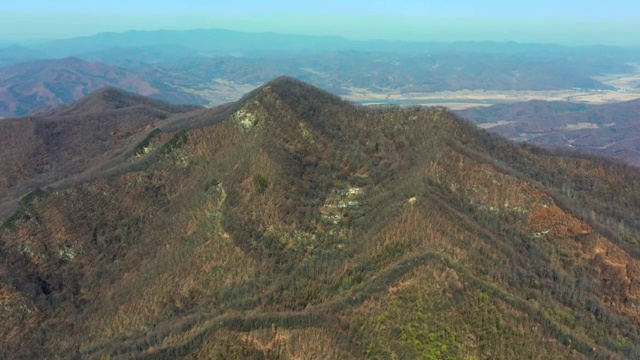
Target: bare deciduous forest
[293,224]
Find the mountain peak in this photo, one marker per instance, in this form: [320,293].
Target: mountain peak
[296,93]
[288,86]
[112,98]
[288,81]
[291,99]
[291,86]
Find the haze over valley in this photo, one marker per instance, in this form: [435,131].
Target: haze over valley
[212,67]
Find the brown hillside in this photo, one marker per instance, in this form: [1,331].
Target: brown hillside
[75,141]
[301,226]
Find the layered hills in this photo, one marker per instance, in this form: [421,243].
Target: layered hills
[29,86]
[214,66]
[293,224]
[610,130]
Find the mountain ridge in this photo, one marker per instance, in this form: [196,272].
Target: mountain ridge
[293,224]
[231,38]
[45,147]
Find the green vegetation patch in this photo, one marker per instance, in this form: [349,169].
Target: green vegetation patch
[22,214]
[142,147]
[261,183]
[176,142]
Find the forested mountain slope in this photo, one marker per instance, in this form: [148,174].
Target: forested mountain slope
[297,225]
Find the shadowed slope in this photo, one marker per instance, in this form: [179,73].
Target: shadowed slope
[69,142]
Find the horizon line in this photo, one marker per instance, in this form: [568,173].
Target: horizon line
[21,42]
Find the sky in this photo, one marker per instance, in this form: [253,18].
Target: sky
[547,21]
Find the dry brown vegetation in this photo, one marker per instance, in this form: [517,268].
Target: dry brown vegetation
[76,141]
[302,226]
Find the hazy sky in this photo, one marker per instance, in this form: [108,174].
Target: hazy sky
[570,21]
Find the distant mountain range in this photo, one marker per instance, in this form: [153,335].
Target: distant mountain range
[40,84]
[395,73]
[219,42]
[611,130]
[17,54]
[217,66]
[294,224]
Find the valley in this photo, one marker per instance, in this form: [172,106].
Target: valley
[222,91]
[609,129]
[464,99]
[625,87]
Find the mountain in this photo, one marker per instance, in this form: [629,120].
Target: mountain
[214,41]
[130,56]
[28,86]
[17,54]
[293,224]
[610,130]
[75,141]
[221,42]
